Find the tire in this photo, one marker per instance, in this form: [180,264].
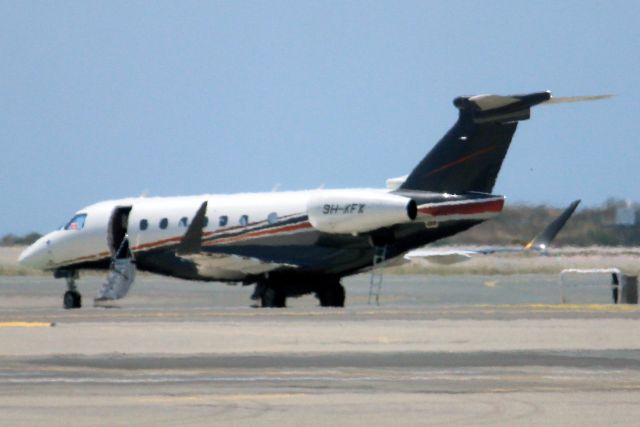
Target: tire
[71,300]
[273,298]
[629,290]
[332,295]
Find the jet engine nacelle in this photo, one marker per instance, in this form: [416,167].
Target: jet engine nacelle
[352,212]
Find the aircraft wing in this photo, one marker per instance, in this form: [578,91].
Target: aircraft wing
[231,267]
[444,257]
[539,243]
[544,239]
[227,264]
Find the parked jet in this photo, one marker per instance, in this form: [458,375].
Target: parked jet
[293,243]
[539,244]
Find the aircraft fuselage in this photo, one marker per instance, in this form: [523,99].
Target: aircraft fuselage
[248,235]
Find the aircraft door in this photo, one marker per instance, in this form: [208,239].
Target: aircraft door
[117,236]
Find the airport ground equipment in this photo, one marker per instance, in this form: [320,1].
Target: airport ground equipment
[624,287]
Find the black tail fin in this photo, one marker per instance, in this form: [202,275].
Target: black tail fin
[542,241]
[469,156]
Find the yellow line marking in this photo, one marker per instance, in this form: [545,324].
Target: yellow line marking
[612,308]
[233,397]
[26,324]
[586,307]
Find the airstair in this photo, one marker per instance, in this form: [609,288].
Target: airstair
[122,273]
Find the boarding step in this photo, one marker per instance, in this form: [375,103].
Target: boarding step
[119,281]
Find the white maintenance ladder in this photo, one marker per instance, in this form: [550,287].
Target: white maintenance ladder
[377,273]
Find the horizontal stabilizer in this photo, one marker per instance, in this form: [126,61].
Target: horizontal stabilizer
[500,109]
[569,99]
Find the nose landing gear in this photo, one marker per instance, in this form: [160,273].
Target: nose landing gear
[71,298]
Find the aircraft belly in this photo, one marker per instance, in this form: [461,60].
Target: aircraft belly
[230,267]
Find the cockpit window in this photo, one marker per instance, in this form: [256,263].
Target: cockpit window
[76,223]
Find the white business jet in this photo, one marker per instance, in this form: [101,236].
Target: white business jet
[293,243]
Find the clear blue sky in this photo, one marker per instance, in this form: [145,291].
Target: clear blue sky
[103,100]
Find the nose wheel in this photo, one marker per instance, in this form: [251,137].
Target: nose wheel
[71,298]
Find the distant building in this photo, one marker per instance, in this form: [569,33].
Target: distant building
[626,216]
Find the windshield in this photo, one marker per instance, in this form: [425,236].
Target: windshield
[76,223]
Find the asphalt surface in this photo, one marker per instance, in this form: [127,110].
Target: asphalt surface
[458,350]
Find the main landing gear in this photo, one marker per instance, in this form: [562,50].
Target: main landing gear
[331,294]
[71,298]
[272,292]
[273,297]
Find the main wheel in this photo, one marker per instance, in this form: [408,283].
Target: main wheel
[273,297]
[72,299]
[331,295]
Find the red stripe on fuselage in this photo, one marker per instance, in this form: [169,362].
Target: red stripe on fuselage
[156,243]
[463,208]
[248,235]
[260,233]
[164,242]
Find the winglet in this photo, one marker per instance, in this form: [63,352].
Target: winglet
[542,241]
[191,243]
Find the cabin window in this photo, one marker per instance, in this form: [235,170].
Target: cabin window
[164,223]
[76,223]
[144,224]
[244,220]
[223,220]
[184,221]
[272,218]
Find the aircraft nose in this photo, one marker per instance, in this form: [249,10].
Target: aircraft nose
[35,256]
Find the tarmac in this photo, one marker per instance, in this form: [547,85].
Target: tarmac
[438,350]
